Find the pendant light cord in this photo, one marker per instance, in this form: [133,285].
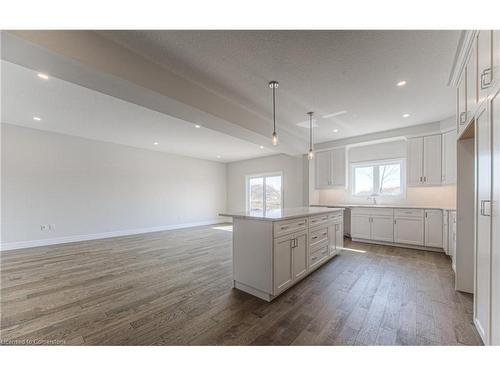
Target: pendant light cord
[310,130]
[274,108]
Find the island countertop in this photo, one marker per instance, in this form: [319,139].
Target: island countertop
[281,214]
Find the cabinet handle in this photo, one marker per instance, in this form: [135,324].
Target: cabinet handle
[314,258]
[284,227]
[395,222]
[463,117]
[483,211]
[314,237]
[324,233]
[301,223]
[421,179]
[486,73]
[425,179]
[426,214]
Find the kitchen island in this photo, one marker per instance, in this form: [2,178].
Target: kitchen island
[274,249]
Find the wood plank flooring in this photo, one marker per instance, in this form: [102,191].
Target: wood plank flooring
[174,288]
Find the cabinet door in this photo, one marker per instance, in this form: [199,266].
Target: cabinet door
[483,226]
[283,273]
[432,160]
[433,228]
[471,84]
[449,158]
[462,102]
[495,215]
[382,228]
[323,169]
[415,161]
[338,167]
[299,254]
[409,230]
[332,238]
[496,55]
[360,227]
[484,63]
[339,237]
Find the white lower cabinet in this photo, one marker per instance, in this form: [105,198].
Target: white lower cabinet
[283,273]
[409,230]
[404,226]
[372,224]
[290,260]
[433,228]
[382,228]
[360,226]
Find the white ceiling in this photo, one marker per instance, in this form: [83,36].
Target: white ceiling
[348,76]
[75,110]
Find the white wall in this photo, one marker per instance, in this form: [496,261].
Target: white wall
[88,187]
[292,168]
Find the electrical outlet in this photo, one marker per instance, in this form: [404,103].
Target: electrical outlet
[52,227]
[44,227]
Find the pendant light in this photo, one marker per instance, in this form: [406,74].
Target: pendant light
[274,86]
[310,156]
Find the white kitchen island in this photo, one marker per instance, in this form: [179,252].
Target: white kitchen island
[274,249]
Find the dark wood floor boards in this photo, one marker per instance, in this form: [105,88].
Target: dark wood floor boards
[174,288]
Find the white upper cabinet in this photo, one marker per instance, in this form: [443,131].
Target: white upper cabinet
[415,160]
[432,160]
[433,228]
[484,63]
[330,168]
[424,160]
[496,55]
[338,167]
[449,158]
[471,83]
[462,102]
[323,168]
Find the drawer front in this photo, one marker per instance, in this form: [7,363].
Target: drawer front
[318,235]
[318,255]
[409,212]
[282,228]
[318,220]
[372,211]
[335,215]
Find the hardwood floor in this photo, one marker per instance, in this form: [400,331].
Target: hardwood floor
[174,288]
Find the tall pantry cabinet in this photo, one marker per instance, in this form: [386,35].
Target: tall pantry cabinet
[478,117]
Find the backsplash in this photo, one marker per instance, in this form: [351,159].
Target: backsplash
[443,196]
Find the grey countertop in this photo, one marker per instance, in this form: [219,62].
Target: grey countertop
[353,205]
[283,214]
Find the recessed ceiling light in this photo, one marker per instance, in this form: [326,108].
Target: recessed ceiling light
[156,143]
[197,126]
[43,76]
[261,147]
[406,115]
[37,118]
[218,156]
[335,130]
[401,83]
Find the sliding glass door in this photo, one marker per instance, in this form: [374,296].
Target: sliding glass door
[264,192]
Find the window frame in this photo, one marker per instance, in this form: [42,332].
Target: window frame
[264,176]
[376,177]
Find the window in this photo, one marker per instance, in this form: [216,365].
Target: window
[381,177]
[264,192]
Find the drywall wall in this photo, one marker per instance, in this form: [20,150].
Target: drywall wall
[92,189]
[290,166]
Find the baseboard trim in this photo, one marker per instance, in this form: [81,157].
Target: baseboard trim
[96,236]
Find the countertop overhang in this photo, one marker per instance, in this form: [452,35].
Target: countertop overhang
[282,214]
